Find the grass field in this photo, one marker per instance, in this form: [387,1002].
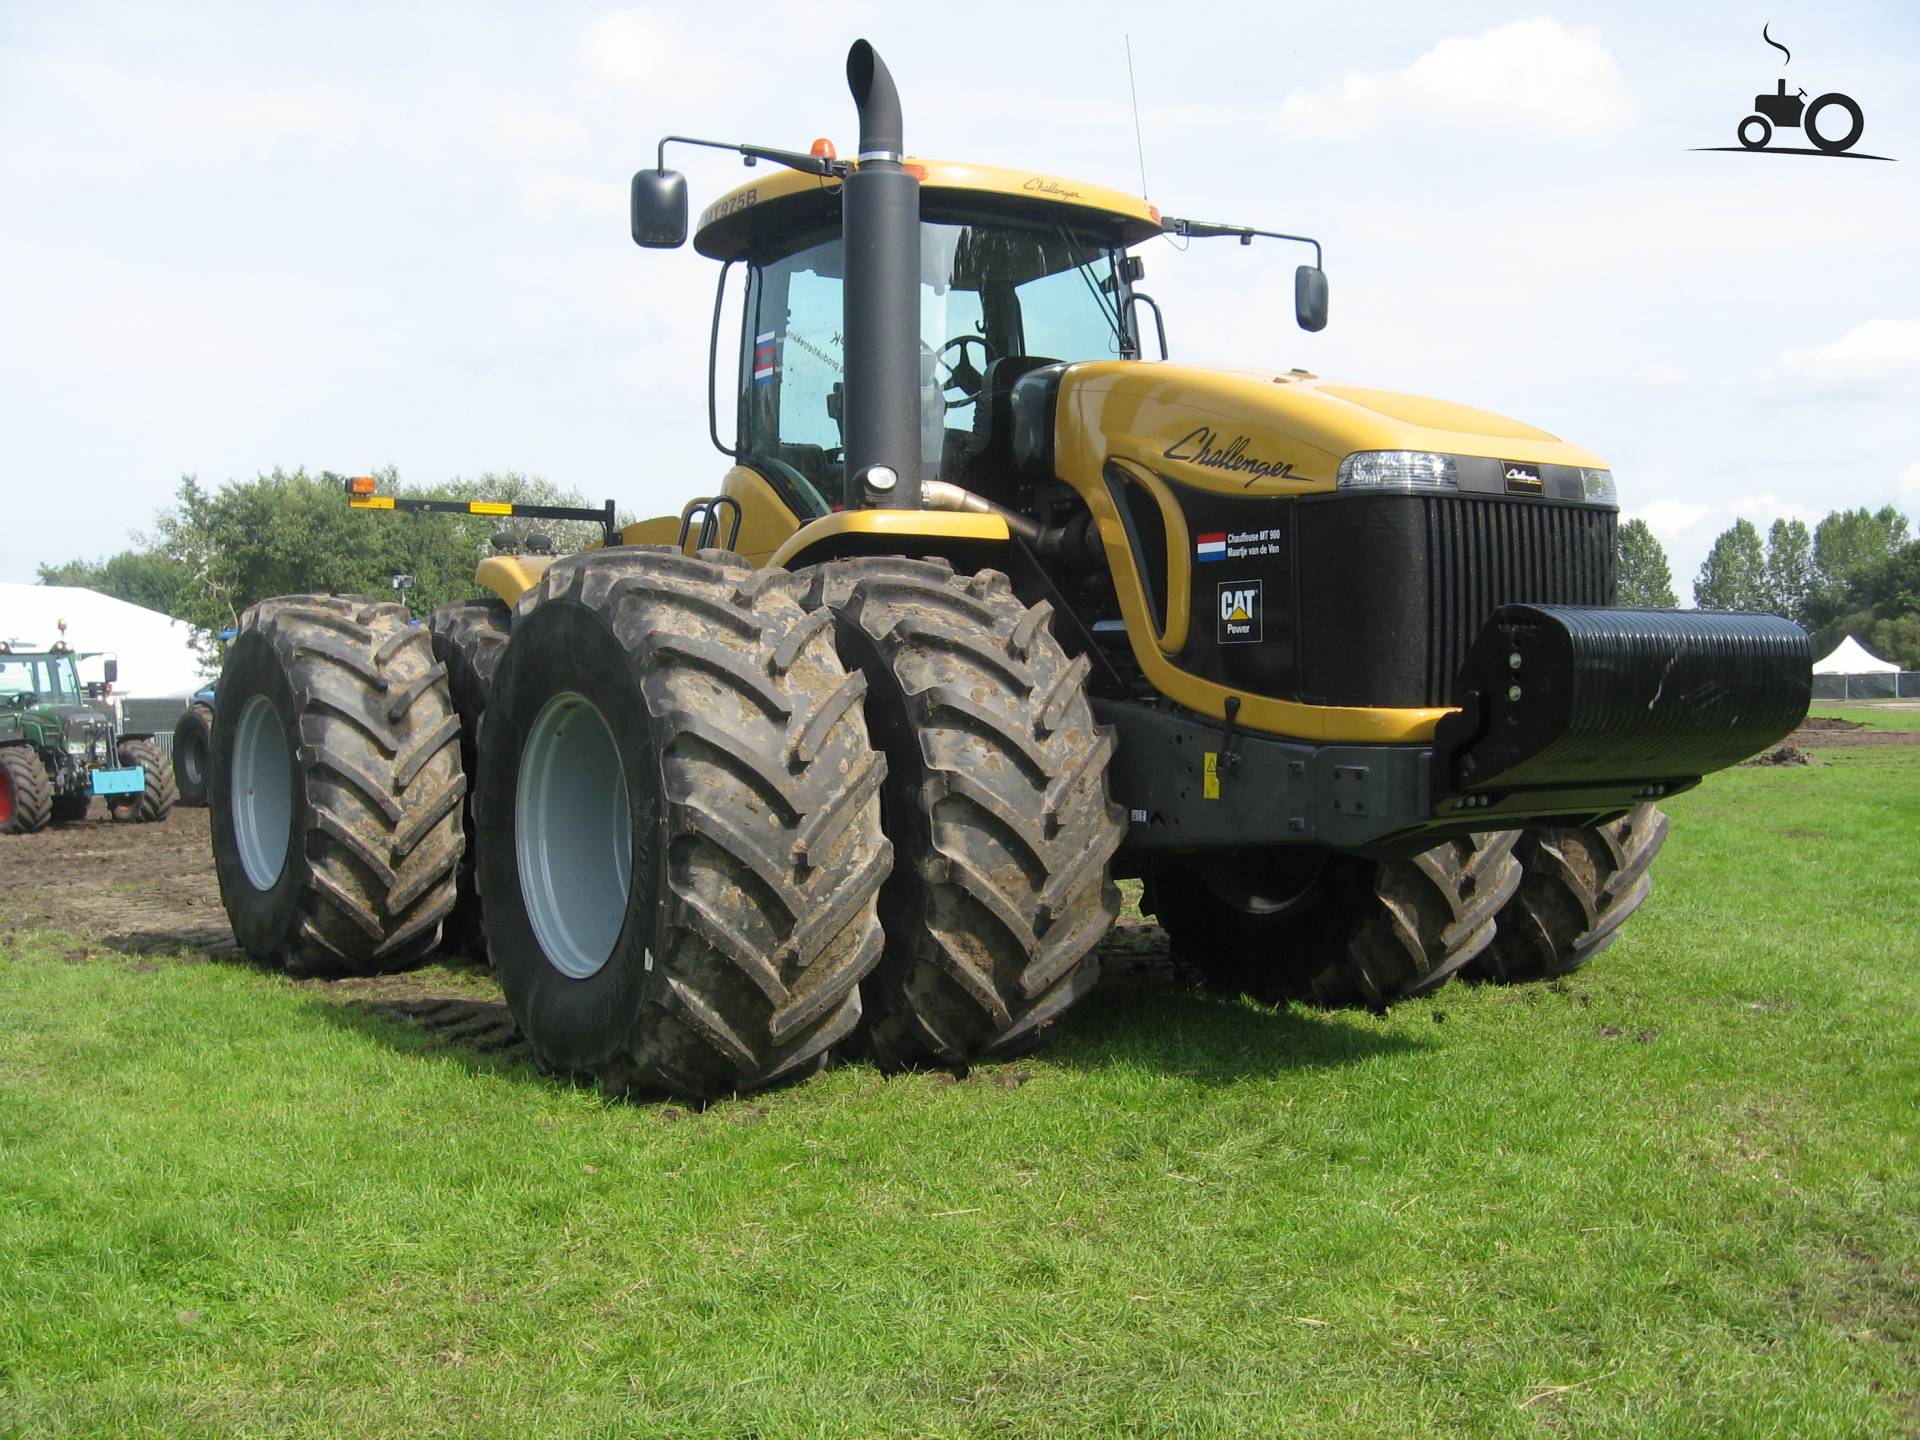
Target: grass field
[1679,1196]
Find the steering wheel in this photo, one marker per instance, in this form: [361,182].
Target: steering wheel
[961,377]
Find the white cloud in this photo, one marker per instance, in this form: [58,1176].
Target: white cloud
[1665,372]
[531,127]
[551,194]
[629,48]
[1539,76]
[1871,350]
[1676,518]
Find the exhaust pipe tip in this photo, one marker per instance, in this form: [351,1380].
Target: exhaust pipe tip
[882,130]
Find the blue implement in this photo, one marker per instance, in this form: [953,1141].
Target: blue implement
[120,782]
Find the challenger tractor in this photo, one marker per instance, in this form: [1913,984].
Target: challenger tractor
[988,610]
[60,745]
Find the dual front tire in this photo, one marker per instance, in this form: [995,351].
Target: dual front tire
[679,826]
[731,820]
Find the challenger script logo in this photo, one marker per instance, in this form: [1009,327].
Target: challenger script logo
[1200,447]
[1524,479]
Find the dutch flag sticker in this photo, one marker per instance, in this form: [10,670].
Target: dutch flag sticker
[1210,547]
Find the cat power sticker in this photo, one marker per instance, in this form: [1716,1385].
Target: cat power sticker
[1239,612]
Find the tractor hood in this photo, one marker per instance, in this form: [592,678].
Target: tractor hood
[1278,433]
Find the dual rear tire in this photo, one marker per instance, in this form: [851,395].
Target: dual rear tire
[334,786]
[1503,906]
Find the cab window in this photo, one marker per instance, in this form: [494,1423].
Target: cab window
[989,291]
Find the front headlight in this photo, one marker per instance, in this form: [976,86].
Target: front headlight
[1398,470]
[1599,488]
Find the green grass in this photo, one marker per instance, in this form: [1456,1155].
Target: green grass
[1679,1195]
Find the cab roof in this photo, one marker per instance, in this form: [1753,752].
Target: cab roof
[787,202]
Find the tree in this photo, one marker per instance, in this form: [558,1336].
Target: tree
[214,553]
[141,577]
[1897,640]
[1845,544]
[1789,569]
[1733,576]
[1646,580]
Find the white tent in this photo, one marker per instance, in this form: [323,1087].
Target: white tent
[1849,657]
[155,653]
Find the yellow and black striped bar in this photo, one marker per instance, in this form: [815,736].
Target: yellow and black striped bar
[361,496]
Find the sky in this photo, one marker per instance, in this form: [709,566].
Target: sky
[346,237]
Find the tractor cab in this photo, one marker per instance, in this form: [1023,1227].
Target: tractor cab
[1019,274]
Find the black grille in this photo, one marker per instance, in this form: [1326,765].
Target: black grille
[1483,554]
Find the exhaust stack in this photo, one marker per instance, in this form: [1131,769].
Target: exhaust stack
[880,222]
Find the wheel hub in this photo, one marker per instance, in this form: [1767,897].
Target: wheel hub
[262,797]
[573,835]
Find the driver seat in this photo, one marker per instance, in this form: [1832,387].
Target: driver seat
[987,465]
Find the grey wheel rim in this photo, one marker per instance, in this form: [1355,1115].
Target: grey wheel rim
[262,797]
[573,835]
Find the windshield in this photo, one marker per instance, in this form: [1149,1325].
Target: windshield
[50,679]
[990,291]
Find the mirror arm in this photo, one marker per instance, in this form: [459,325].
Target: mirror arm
[1207,230]
[792,159]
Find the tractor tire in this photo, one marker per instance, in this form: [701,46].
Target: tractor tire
[1579,886]
[679,823]
[1388,930]
[26,794]
[71,809]
[157,797]
[1234,919]
[996,802]
[334,788]
[192,747]
[1369,933]
[469,637]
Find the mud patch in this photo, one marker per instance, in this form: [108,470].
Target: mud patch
[137,889]
[1785,755]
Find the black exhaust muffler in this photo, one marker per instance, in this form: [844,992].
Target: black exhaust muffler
[1561,696]
[880,222]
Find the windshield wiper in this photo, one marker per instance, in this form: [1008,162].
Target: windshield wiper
[1108,306]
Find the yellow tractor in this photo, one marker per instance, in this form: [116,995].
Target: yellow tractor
[988,609]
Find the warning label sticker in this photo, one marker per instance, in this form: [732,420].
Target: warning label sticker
[1239,612]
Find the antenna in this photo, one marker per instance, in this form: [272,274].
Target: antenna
[1139,148]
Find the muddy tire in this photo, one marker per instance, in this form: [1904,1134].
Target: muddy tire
[1385,931]
[71,809]
[1366,934]
[1236,919]
[192,752]
[996,802]
[334,788]
[1579,886]
[158,794]
[679,824]
[26,794]
[469,637]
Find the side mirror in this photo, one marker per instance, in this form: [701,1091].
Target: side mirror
[1310,297]
[110,669]
[659,209]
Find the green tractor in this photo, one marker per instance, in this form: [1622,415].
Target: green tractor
[60,746]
